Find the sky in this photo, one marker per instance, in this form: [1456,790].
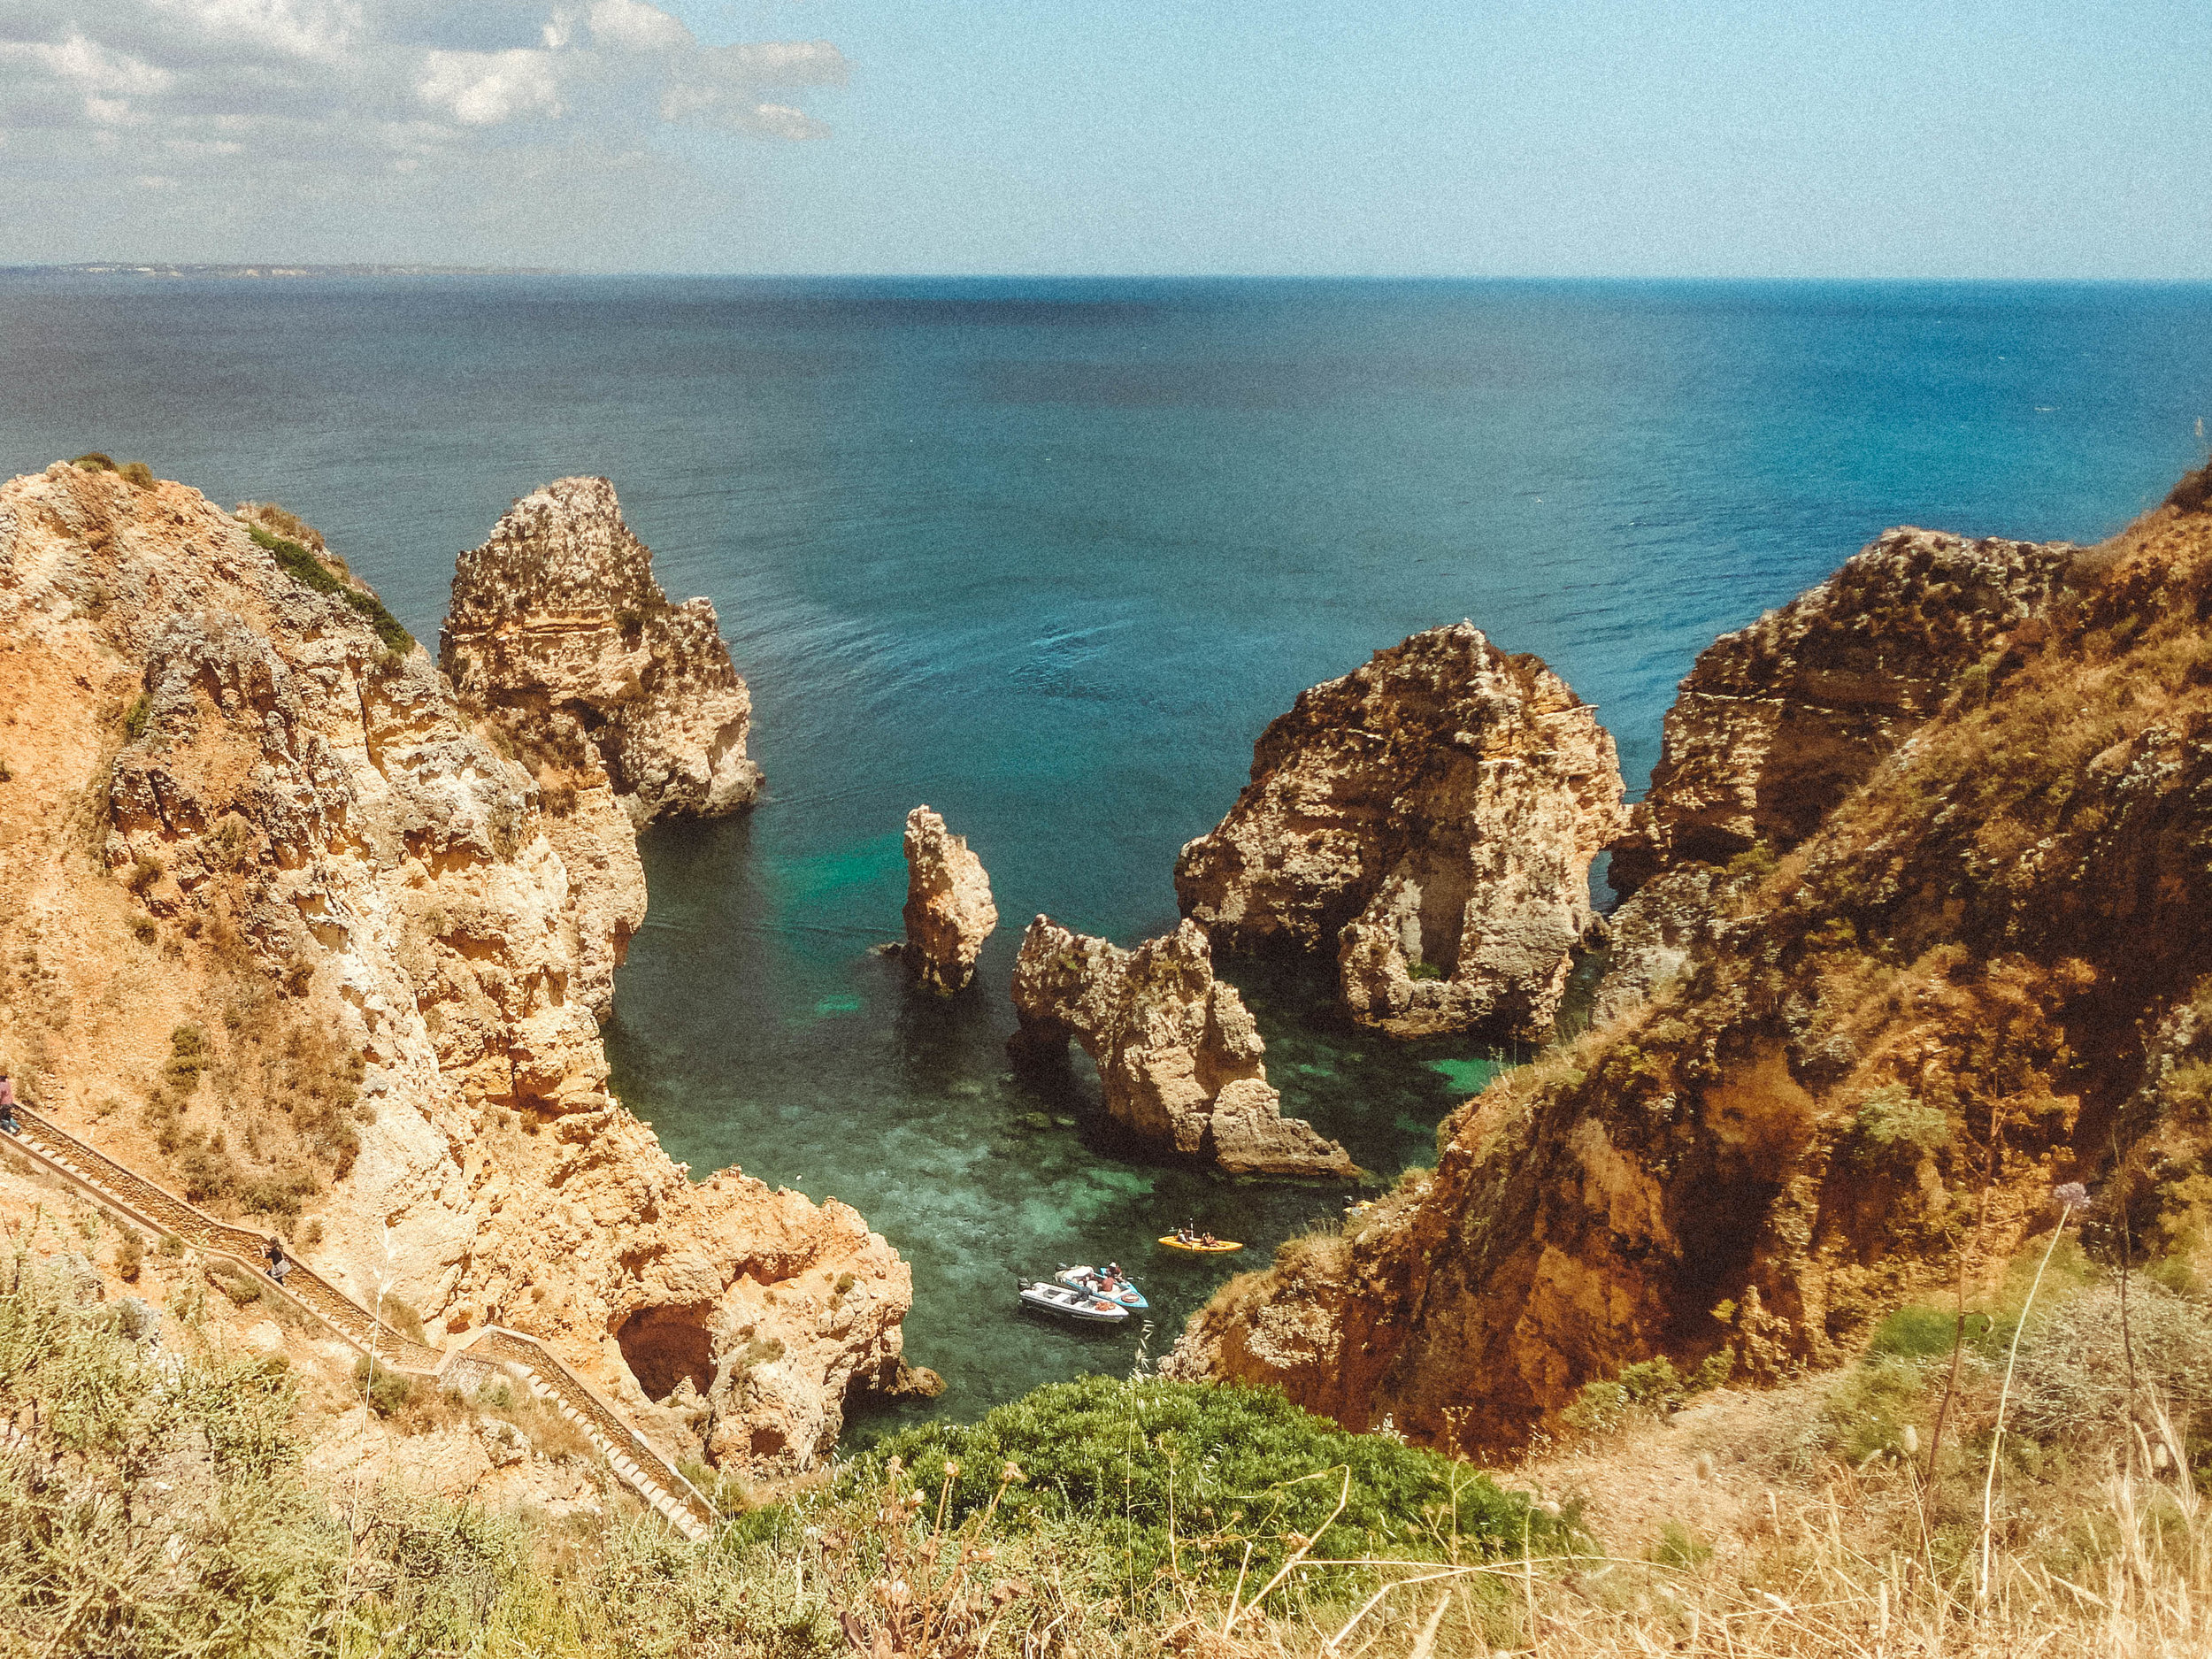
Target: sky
[1848,138]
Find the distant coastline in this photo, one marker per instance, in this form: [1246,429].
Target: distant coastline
[161,269]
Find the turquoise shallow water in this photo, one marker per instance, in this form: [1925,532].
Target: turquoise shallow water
[1048,556]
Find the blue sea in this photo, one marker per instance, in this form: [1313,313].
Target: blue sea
[1048,556]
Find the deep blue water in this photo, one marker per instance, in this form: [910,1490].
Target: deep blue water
[1048,556]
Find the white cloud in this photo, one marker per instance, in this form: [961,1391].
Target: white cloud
[487,89]
[255,103]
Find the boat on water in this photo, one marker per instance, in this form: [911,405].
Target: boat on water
[1092,1282]
[1219,1246]
[1072,1304]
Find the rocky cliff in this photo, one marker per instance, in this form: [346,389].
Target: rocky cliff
[560,633]
[282,925]
[1180,1062]
[1979,973]
[1430,820]
[1778,722]
[948,909]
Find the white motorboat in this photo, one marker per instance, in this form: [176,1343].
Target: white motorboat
[1072,1304]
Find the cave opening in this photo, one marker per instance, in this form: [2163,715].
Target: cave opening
[663,1345]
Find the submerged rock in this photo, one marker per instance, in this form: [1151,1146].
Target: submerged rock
[559,631]
[1179,1060]
[1778,722]
[948,909]
[1432,819]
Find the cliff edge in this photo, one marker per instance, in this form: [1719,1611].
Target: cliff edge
[1980,972]
[284,926]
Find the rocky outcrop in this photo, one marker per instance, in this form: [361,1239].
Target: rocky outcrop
[948,909]
[281,924]
[1430,818]
[1978,977]
[559,632]
[1778,722]
[1180,1062]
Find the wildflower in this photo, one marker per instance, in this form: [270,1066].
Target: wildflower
[951,1469]
[1012,1471]
[2073,1194]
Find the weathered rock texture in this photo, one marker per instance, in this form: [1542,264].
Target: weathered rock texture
[1180,1061]
[281,924]
[1778,722]
[948,909]
[1987,955]
[1430,817]
[560,633]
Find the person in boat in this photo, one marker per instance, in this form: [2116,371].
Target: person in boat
[1208,1240]
[1115,1277]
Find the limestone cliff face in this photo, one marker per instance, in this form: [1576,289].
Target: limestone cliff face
[1431,819]
[1180,1062]
[283,927]
[1984,956]
[1778,722]
[948,909]
[559,631]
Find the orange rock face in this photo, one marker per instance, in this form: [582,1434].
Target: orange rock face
[287,928]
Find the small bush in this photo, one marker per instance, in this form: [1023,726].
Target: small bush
[144,874]
[142,929]
[1892,1118]
[138,474]
[1424,971]
[1240,1468]
[170,1245]
[93,461]
[135,717]
[277,1195]
[402,1317]
[387,1392]
[130,1256]
[241,1287]
[1919,1331]
[1679,1548]
[210,1175]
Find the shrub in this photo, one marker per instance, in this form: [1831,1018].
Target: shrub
[134,718]
[1236,1467]
[387,1392]
[142,929]
[1424,971]
[1679,1548]
[303,567]
[136,474]
[130,1256]
[402,1317]
[1919,1331]
[210,1175]
[93,461]
[144,874]
[277,1195]
[1891,1117]
[1649,1386]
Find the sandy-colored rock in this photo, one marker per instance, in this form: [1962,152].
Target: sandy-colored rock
[1431,819]
[1843,1080]
[948,909]
[1180,1062]
[278,916]
[558,630]
[1777,722]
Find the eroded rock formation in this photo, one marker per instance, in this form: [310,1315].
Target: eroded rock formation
[559,632]
[948,909]
[1778,722]
[1179,1060]
[1430,818]
[1982,963]
[282,923]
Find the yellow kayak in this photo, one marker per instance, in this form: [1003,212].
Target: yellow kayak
[1219,1246]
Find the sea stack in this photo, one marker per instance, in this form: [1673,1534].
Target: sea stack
[948,909]
[559,632]
[1180,1059]
[1430,818]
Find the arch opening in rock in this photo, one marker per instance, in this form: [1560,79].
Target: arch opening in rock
[665,1345]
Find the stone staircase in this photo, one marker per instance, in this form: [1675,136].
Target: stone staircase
[139,1202]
